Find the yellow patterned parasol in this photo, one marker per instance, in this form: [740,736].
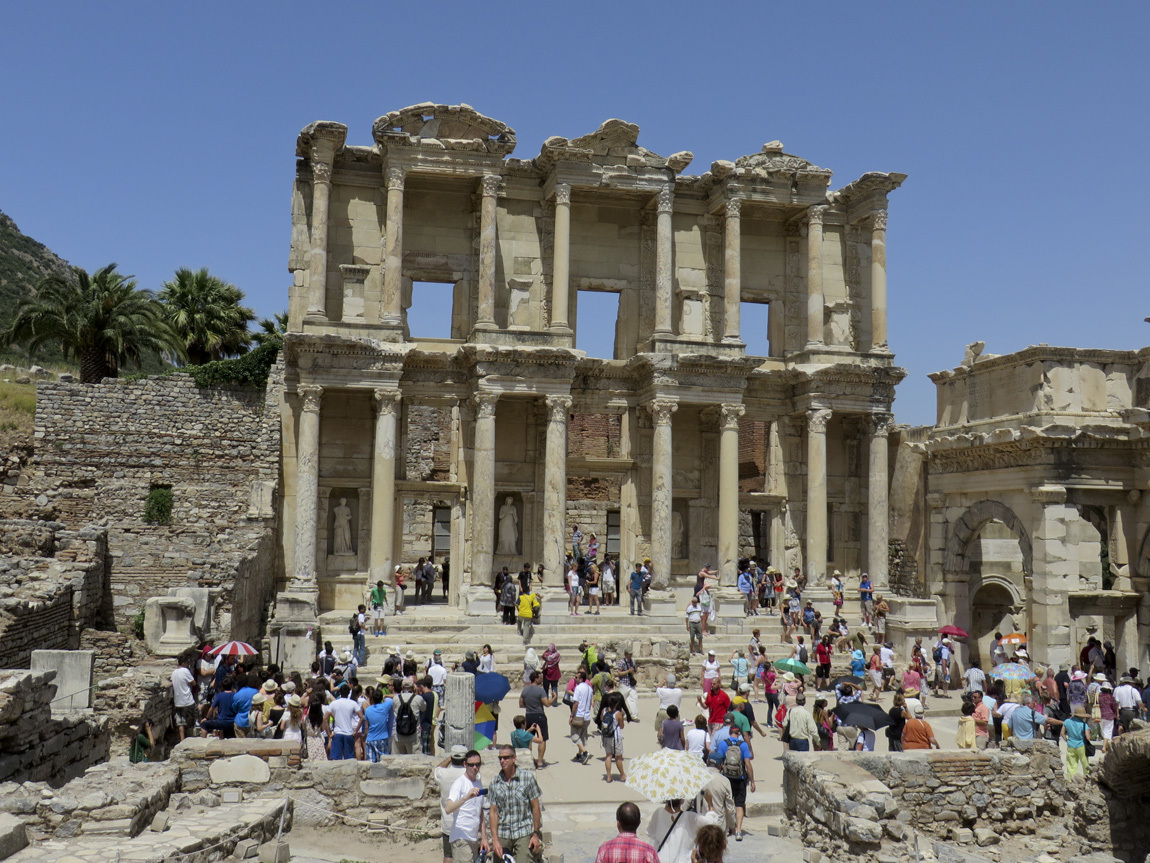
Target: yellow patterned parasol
[668,774]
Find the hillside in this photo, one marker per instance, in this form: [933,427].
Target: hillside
[23,263]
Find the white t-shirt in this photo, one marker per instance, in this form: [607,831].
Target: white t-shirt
[584,695]
[887,656]
[1127,697]
[669,695]
[446,777]
[694,613]
[345,712]
[711,668]
[438,674]
[486,663]
[573,580]
[465,823]
[697,740]
[182,681]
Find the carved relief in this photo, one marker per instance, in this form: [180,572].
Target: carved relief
[817,420]
[665,199]
[490,185]
[733,208]
[878,221]
[386,400]
[321,171]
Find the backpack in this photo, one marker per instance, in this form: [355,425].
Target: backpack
[353,625]
[937,653]
[327,665]
[607,721]
[803,655]
[733,761]
[406,722]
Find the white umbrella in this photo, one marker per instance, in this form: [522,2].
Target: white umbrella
[668,774]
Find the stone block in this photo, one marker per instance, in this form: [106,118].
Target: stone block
[275,852]
[861,830]
[160,822]
[239,769]
[202,597]
[232,795]
[984,836]
[13,836]
[169,625]
[246,849]
[73,676]
[411,788]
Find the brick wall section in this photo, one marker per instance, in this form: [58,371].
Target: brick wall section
[752,455]
[428,440]
[593,435]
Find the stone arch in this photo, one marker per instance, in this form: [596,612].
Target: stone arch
[995,583]
[971,522]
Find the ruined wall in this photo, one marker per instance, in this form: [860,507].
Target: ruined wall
[102,448]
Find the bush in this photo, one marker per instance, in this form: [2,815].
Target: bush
[138,624]
[250,370]
[158,509]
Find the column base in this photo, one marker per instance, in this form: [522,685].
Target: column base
[562,330]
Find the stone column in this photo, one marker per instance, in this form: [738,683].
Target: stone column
[732,270]
[664,249]
[661,489]
[326,139]
[307,490]
[459,707]
[482,490]
[729,491]
[382,563]
[561,265]
[487,237]
[555,489]
[817,495]
[1055,574]
[393,250]
[878,339]
[878,544]
[815,301]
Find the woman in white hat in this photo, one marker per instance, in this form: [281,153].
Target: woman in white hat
[292,720]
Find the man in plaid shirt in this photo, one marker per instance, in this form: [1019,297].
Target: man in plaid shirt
[627,847]
[515,812]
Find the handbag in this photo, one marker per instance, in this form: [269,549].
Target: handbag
[568,697]
[786,735]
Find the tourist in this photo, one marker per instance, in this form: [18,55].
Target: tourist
[866,598]
[981,716]
[917,733]
[826,723]
[975,677]
[612,719]
[257,719]
[593,588]
[346,718]
[624,674]
[746,586]
[378,720]
[428,714]
[743,707]
[607,572]
[964,735]
[699,738]
[711,671]
[758,670]
[694,617]
[358,630]
[315,731]
[508,598]
[184,695]
[1026,723]
[627,847]
[449,769]
[739,770]
[573,595]
[1076,690]
[669,694]
[524,578]
[1129,701]
[740,668]
[437,671]
[551,670]
[770,691]
[445,574]
[673,829]
[400,584]
[531,663]
[635,590]
[799,729]
[533,699]
[465,806]
[673,735]
[143,741]
[1107,713]
[588,656]
[242,703]
[710,844]
[874,672]
[824,653]
[524,737]
[898,714]
[378,602]
[717,703]
[943,650]
[486,660]
[516,812]
[581,713]
[529,610]
[497,585]
[408,708]
[1076,733]
[221,716]
[792,688]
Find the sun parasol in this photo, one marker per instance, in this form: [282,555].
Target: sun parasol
[667,774]
[790,664]
[484,726]
[1012,671]
[491,687]
[956,631]
[1013,638]
[233,648]
[860,714]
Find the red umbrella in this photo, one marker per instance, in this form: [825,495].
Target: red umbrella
[234,648]
[951,629]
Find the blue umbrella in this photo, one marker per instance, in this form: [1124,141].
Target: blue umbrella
[491,687]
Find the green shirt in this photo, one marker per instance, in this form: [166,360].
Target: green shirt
[379,596]
[742,721]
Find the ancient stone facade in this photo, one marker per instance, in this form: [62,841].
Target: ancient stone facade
[490,444]
[1025,504]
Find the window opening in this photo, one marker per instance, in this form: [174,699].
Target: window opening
[431,310]
[613,522]
[441,532]
[753,317]
[596,315]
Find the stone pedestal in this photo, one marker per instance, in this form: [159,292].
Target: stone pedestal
[292,645]
[459,707]
[816,550]
[204,602]
[73,676]
[169,625]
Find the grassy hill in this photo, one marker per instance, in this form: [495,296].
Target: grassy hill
[23,263]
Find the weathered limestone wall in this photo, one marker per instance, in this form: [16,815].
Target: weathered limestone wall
[102,448]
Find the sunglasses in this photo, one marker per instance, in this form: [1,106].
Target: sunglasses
[506,757]
[474,763]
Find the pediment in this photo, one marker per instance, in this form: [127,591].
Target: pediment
[451,127]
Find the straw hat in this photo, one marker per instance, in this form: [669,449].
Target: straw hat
[409,655]
[789,676]
[345,656]
[270,686]
[294,700]
[1100,678]
[792,583]
[258,699]
[384,679]
[289,686]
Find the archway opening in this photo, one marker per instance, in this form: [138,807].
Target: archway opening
[991,611]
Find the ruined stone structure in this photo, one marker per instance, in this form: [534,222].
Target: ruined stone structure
[1025,504]
[680,446]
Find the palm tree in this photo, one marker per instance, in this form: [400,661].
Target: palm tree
[206,312]
[271,331]
[102,320]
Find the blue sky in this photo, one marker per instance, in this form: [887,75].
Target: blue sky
[162,135]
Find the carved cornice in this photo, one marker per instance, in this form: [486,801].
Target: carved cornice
[485,404]
[386,401]
[562,193]
[817,420]
[661,410]
[558,408]
[395,178]
[311,397]
[453,127]
[1048,494]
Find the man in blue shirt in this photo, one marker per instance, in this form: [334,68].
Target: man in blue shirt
[378,717]
[866,597]
[635,588]
[747,589]
[1025,723]
[739,784]
[242,703]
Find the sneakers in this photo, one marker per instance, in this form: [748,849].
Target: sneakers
[738,835]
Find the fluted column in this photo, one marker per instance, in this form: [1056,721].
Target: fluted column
[729,490]
[732,269]
[381,565]
[487,239]
[815,301]
[661,488]
[555,489]
[817,495]
[307,489]
[482,514]
[663,252]
[878,489]
[393,249]
[878,337]
[561,265]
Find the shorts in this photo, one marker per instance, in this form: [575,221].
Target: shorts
[377,612]
[376,749]
[739,792]
[613,745]
[695,628]
[186,717]
[868,606]
[540,720]
[579,730]
[823,670]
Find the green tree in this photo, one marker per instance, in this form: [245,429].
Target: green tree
[271,331]
[103,321]
[207,313]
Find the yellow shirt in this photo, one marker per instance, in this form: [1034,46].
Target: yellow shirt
[528,602]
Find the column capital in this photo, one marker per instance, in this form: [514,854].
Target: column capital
[562,193]
[661,410]
[878,221]
[815,214]
[489,185]
[734,207]
[665,199]
[485,404]
[386,400]
[320,171]
[817,420]
[311,396]
[1048,494]
[395,179]
[558,407]
[729,415]
[880,425]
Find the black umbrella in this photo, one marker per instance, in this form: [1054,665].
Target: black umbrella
[848,678]
[860,714]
